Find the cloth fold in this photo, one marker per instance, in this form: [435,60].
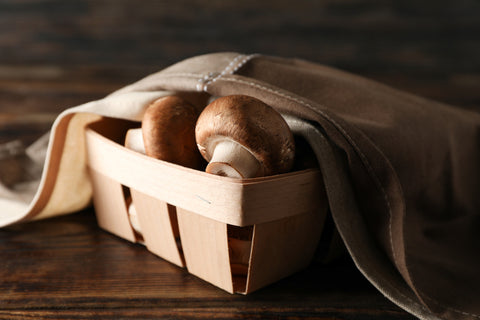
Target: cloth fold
[401,172]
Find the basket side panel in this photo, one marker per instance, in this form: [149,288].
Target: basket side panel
[232,201]
[110,207]
[205,248]
[155,223]
[283,247]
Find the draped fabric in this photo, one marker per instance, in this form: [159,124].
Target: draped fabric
[401,172]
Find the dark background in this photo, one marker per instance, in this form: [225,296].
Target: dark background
[56,54]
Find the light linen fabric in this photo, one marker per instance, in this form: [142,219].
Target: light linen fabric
[401,172]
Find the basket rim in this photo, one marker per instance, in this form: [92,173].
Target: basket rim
[237,202]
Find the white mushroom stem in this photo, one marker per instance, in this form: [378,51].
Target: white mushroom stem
[134,140]
[231,159]
[133,217]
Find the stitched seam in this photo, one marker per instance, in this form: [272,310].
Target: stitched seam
[364,158]
[224,71]
[420,306]
[202,77]
[229,69]
[370,169]
[212,76]
[245,60]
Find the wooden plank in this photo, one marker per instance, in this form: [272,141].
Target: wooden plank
[68,268]
[156,227]
[232,201]
[205,248]
[110,206]
[283,247]
[405,44]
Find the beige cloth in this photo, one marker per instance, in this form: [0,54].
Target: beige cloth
[401,172]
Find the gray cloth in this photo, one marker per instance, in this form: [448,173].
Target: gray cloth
[401,172]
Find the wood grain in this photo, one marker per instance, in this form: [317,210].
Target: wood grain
[49,46]
[66,268]
[56,54]
[233,201]
[157,227]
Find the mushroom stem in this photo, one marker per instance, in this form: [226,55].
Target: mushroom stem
[133,217]
[134,140]
[231,159]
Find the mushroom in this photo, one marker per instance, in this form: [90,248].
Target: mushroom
[134,140]
[133,217]
[242,137]
[168,129]
[167,133]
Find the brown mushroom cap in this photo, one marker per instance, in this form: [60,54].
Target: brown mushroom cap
[251,123]
[168,129]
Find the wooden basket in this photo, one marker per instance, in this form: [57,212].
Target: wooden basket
[238,234]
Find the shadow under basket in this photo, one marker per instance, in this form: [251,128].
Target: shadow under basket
[238,234]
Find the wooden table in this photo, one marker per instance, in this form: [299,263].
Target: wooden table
[66,268]
[56,54]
